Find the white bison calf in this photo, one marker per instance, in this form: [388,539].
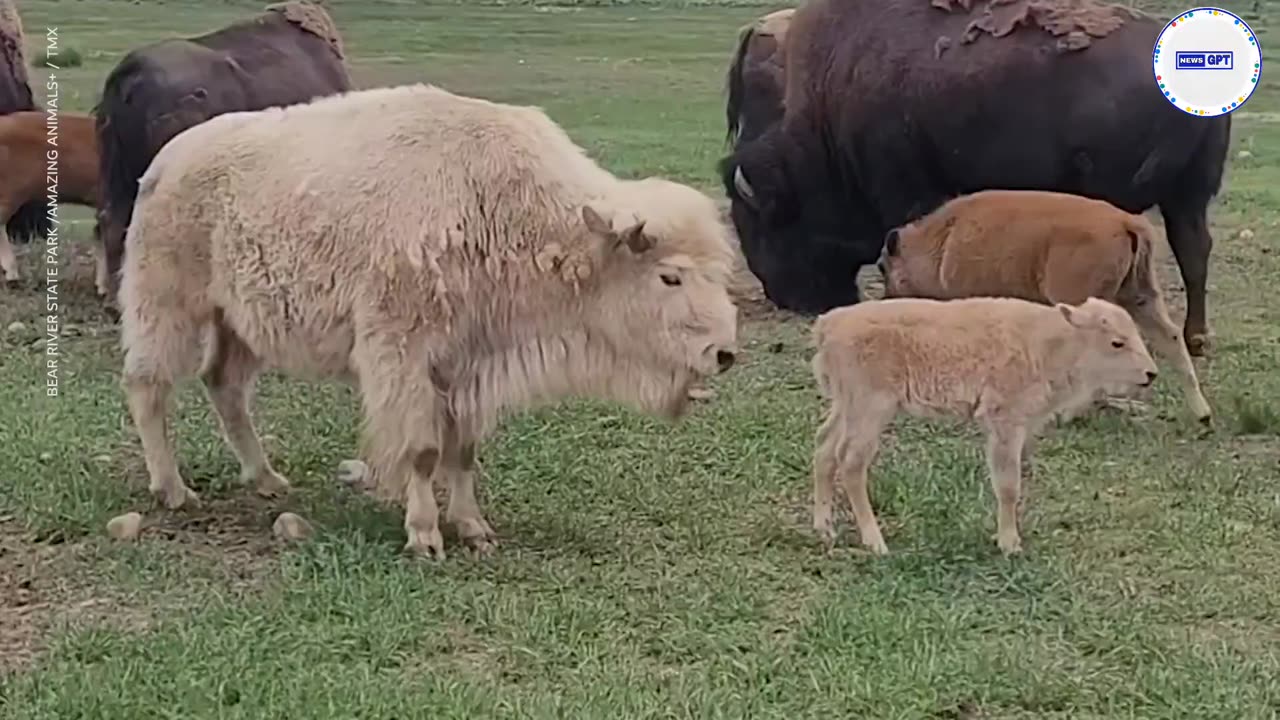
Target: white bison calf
[1008,364]
[1044,247]
[455,257]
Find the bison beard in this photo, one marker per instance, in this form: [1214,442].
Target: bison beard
[880,128]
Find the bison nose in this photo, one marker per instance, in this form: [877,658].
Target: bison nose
[1151,377]
[724,359]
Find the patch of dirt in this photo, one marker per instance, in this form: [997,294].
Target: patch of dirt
[45,586]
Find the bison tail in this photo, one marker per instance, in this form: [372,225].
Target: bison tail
[1142,244]
[736,86]
[30,221]
[122,143]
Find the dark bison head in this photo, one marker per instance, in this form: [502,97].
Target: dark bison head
[799,237]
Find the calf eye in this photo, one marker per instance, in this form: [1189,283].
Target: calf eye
[1117,343]
[672,280]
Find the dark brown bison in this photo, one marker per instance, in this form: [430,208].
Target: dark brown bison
[15,87]
[290,54]
[755,78]
[894,106]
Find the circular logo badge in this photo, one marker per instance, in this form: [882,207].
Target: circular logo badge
[1207,61]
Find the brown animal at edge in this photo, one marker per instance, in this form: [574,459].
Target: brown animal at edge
[1045,247]
[1006,364]
[454,258]
[24,145]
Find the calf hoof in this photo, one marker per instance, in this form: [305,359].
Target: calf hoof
[175,496]
[426,543]
[1009,545]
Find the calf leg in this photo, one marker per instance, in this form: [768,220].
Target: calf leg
[229,381]
[8,261]
[858,447]
[1152,317]
[1004,460]
[1187,228]
[825,465]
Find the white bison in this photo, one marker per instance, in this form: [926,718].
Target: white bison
[456,258]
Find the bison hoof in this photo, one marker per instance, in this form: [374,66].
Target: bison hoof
[271,484]
[175,495]
[876,546]
[1198,344]
[426,543]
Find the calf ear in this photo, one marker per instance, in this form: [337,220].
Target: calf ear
[891,243]
[1068,312]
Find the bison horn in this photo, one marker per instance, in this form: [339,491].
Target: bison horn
[742,186]
[636,239]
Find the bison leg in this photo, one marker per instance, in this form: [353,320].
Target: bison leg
[457,462]
[858,447]
[149,406]
[229,381]
[1004,461]
[422,515]
[1188,233]
[1153,318]
[8,261]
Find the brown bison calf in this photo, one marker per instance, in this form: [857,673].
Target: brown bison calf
[1044,247]
[1008,364]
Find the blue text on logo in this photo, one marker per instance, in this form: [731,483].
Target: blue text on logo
[1216,60]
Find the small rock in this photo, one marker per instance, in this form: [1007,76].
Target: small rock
[46,456]
[102,458]
[1244,155]
[352,472]
[291,527]
[17,327]
[1246,234]
[125,527]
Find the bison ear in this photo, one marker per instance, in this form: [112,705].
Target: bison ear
[595,223]
[635,238]
[891,243]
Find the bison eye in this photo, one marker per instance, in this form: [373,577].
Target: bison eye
[1117,343]
[669,279]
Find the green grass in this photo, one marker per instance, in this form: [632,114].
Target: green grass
[646,570]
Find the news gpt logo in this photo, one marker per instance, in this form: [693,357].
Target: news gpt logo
[1207,61]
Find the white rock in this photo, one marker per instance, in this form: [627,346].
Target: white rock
[125,527]
[291,527]
[1244,155]
[1246,234]
[352,472]
[46,456]
[17,327]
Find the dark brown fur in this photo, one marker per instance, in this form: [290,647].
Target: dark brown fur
[291,53]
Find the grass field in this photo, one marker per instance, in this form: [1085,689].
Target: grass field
[646,570]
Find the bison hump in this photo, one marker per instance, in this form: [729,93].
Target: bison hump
[313,19]
[1074,22]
